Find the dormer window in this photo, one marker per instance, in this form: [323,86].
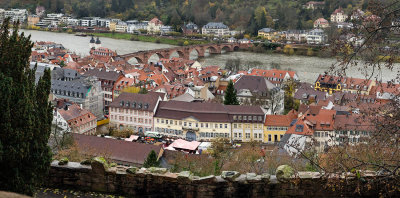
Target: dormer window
[121,103]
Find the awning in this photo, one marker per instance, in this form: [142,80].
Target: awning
[131,138]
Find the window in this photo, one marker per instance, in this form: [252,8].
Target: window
[235,135]
[197,124]
[166,121]
[269,138]
[249,118]
[235,126]
[216,126]
[190,124]
[247,135]
[255,118]
[184,124]
[206,125]
[244,117]
[220,126]
[201,125]
[158,120]
[234,117]
[240,135]
[240,117]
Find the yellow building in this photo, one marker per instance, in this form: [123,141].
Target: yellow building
[276,126]
[357,85]
[270,34]
[333,84]
[207,121]
[328,84]
[33,20]
[113,26]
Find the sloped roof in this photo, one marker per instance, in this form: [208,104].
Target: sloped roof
[76,116]
[280,120]
[254,84]
[130,152]
[144,102]
[205,112]
[104,74]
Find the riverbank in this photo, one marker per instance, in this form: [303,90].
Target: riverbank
[170,40]
[151,38]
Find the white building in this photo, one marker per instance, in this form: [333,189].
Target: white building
[338,16]
[154,26]
[216,29]
[71,117]
[135,27]
[16,15]
[316,36]
[165,29]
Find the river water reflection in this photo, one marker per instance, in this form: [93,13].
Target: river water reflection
[307,68]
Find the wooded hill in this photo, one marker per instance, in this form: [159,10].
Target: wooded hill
[248,15]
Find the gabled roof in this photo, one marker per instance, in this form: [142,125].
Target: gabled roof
[254,84]
[76,116]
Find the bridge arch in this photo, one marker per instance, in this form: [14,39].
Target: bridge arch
[226,48]
[236,48]
[155,57]
[133,58]
[180,53]
[212,50]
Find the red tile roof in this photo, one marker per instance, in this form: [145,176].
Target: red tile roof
[280,120]
[76,116]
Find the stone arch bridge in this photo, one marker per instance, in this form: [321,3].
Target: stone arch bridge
[184,51]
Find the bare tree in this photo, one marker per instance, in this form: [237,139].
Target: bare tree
[371,48]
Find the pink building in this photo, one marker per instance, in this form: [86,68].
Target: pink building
[135,111]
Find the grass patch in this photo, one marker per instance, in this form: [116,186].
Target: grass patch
[152,39]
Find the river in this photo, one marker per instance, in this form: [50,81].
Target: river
[307,68]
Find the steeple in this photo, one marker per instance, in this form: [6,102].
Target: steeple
[98,43]
[92,43]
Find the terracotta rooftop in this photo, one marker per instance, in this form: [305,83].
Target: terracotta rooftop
[281,120]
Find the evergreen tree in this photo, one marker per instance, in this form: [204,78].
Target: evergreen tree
[230,95]
[151,160]
[143,91]
[26,116]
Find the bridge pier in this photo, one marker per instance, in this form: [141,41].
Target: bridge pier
[184,52]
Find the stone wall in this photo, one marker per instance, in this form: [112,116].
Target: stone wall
[158,182]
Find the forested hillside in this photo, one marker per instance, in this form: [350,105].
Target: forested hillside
[249,15]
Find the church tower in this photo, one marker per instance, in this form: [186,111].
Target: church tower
[98,43]
[92,43]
